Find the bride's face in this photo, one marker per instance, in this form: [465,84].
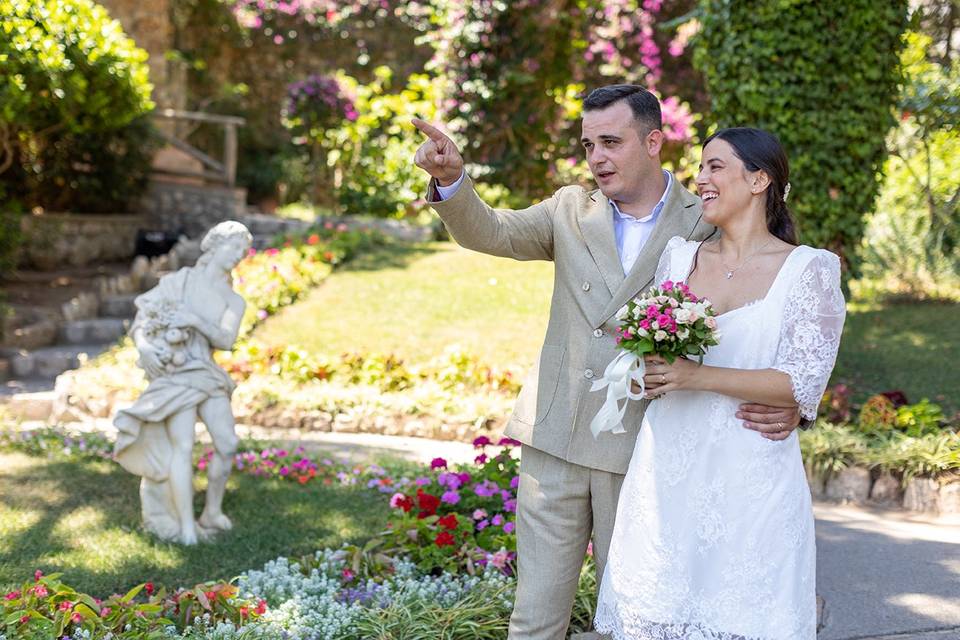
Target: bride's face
[724,184]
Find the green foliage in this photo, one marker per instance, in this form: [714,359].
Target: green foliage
[373,154]
[910,245]
[931,455]
[10,233]
[70,81]
[822,77]
[920,419]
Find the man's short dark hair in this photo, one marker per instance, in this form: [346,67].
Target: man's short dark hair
[643,104]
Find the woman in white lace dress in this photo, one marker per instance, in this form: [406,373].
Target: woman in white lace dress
[714,536]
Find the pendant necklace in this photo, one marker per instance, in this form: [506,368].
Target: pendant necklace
[730,271]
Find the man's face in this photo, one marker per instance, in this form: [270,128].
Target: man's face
[619,159]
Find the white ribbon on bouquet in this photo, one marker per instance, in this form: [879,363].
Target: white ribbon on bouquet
[623,370]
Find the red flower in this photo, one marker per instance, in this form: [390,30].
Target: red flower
[211,595]
[449,521]
[76,618]
[148,588]
[23,619]
[313,239]
[66,605]
[427,503]
[347,574]
[261,607]
[244,612]
[444,539]
[328,256]
[302,479]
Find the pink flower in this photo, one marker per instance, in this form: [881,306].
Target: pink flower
[481,441]
[37,575]
[396,499]
[500,559]
[479,514]
[347,575]
[40,591]
[104,612]
[667,285]
[13,595]
[508,442]
[438,463]
[509,527]
[481,459]
[497,520]
[652,311]
[77,618]
[66,605]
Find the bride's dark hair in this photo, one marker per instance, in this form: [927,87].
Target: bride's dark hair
[758,149]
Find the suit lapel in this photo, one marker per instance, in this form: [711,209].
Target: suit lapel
[596,225]
[678,218]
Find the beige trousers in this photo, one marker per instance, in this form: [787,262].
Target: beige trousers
[559,504]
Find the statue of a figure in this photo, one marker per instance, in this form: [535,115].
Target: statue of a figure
[178,324]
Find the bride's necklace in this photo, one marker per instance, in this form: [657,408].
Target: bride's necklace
[730,272]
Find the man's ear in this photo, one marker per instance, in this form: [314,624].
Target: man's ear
[654,142]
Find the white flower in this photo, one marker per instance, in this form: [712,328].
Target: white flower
[682,316]
[673,302]
[710,322]
[683,334]
[643,333]
[622,313]
[660,335]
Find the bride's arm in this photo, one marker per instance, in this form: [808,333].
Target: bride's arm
[761,386]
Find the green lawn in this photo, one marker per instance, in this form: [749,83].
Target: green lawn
[911,347]
[82,517]
[416,301]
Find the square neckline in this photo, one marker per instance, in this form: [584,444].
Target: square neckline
[753,303]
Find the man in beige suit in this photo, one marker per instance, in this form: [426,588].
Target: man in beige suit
[605,245]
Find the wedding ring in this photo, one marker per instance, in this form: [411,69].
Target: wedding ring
[663,378]
[780,426]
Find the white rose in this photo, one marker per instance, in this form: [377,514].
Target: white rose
[643,333]
[711,322]
[622,313]
[682,316]
[673,303]
[660,335]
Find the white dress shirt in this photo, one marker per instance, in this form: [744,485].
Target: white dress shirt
[631,233]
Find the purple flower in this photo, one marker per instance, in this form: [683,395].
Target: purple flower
[450,497]
[509,527]
[486,489]
[438,463]
[497,520]
[510,506]
[483,524]
[422,481]
[515,482]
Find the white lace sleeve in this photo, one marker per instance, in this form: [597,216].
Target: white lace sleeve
[810,334]
[665,268]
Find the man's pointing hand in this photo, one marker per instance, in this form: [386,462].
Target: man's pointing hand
[438,156]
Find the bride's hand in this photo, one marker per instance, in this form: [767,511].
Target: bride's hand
[661,377]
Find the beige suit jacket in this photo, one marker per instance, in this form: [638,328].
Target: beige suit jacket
[574,229]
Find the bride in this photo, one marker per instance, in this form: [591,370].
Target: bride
[714,536]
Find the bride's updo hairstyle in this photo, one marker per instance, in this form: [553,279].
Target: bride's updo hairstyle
[758,149]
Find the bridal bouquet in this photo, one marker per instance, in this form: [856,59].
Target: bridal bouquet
[666,321]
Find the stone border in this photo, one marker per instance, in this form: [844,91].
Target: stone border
[857,485]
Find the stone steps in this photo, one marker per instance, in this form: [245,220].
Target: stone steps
[49,362]
[93,331]
[118,306]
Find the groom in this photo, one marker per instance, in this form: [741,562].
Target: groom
[605,245]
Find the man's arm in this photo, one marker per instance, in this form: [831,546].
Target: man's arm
[525,234]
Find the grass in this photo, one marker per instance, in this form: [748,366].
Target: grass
[81,517]
[913,347]
[415,301]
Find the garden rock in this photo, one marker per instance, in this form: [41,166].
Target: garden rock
[886,490]
[817,488]
[922,494]
[950,497]
[849,485]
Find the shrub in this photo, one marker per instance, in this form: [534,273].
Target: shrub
[779,65]
[878,414]
[70,81]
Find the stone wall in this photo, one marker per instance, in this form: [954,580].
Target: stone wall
[151,27]
[57,240]
[190,208]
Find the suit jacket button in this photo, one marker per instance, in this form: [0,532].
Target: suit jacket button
[598,333]
[586,286]
[588,373]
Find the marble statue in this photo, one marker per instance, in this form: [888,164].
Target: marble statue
[178,324]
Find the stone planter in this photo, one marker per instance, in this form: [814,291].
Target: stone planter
[950,497]
[922,494]
[849,485]
[886,490]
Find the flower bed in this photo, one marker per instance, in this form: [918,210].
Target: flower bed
[443,563]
